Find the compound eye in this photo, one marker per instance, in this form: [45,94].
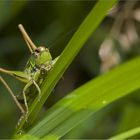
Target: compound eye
[37,51]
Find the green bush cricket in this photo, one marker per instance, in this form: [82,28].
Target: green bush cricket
[37,67]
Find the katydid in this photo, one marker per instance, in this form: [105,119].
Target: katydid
[37,67]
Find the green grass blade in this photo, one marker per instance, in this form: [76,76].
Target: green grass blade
[29,137]
[126,134]
[88,99]
[87,27]
[128,116]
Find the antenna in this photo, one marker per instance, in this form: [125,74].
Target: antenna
[27,39]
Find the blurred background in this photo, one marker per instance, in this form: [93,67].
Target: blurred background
[52,23]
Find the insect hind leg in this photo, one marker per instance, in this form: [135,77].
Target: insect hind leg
[12,95]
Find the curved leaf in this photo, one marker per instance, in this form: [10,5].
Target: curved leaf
[127,134]
[88,99]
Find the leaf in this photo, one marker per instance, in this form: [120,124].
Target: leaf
[127,134]
[128,116]
[87,27]
[88,99]
[29,137]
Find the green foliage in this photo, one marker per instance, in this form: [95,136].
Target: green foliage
[99,108]
[88,99]
[127,134]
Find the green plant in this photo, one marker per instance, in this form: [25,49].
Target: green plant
[87,99]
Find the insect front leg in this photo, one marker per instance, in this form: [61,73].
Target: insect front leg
[26,88]
[24,95]
[38,89]
[25,99]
